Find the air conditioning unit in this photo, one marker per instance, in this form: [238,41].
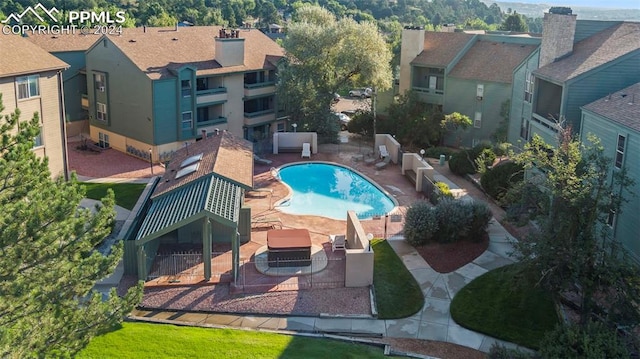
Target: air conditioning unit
[101,88]
[479,98]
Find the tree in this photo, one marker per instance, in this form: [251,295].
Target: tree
[48,261]
[412,121]
[514,22]
[455,121]
[325,55]
[573,250]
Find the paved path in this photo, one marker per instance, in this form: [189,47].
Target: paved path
[433,322]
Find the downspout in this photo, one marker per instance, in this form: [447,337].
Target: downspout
[63,112]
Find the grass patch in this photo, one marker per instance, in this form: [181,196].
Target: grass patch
[127,194]
[398,295]
[146,340]
[504,304]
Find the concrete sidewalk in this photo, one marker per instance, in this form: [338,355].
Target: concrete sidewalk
[432,322]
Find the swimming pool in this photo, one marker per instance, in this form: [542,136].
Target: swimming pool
[329,190]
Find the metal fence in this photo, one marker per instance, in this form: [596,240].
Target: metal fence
[262,276]
[188,264]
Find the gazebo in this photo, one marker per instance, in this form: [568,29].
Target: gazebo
[199,200]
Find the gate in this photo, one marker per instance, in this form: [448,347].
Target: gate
[187,265]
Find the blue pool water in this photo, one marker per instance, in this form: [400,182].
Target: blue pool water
[328,190]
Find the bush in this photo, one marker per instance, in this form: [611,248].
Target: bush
[593,341]
[461,163]
[498,180]
[420,223]
[464,162]
[435,152]
[440,191]
[450,220]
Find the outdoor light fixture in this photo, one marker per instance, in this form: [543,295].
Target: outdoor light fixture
[151,160]
[422,153]
[295,126]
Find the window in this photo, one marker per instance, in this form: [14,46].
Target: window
[280,127]
[187,120]
[101,111]
[202,84]
[528,87]
[37,141]
[186,88]
[99,81]
[479,91]
[524,129]
[103,140]
[620,151]
[27,86]
[611,218]
[477,120]
[433,82]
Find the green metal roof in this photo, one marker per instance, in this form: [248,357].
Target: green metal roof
[211,196]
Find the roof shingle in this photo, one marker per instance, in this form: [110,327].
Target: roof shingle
[20,56]
[599,49]
[440,48]
[622,107]
[64,42]
[479,63]
[159,51]
[223,155]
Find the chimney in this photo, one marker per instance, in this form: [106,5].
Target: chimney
[204,134]
[229,48]
[412,45]
[558,34]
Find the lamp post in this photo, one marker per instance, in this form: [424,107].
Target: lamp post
[295,127]
[373,110]
[422,153]
[151,160]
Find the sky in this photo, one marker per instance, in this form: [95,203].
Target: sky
[616,4]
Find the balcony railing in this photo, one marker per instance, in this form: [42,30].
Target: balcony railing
[211,121]
[428,90]
[218,94]
[262,88]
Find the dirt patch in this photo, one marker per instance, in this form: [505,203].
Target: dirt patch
[447,257]
[435,349]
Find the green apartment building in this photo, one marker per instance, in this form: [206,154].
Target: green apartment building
[615,120]
[577,63]
[151,91]
[466,73]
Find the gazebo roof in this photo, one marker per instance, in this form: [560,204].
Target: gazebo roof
[212,196]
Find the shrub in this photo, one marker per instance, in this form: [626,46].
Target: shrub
[461,163]
[454,219]
[485,160]
[435,152]
[481,215]
[498,180]
[440,191]
[593,341]
[420,223]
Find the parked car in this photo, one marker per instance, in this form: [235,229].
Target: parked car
[343,120]
[361,92]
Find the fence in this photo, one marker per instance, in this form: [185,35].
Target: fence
[257,276]
[187,265]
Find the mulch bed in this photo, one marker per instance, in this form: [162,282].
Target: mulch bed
[447,257]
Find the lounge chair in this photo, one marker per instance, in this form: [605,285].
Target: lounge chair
[382,164]
[306,150]
[383,151]
[263,161]
[338,242]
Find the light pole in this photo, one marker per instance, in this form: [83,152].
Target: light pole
[295,127]
[422,153]
[373,109]
[151,160]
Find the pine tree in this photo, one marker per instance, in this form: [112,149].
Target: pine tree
[48,261]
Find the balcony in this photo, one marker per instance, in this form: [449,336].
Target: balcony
[211,121]
[259,117]
[209,96]
[259,89]
[429,95]
[84,101]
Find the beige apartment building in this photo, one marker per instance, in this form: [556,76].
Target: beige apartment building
[31,80]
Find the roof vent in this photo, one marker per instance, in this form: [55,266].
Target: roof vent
[132,40]
[175,39]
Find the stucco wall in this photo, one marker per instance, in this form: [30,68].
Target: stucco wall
[359,255]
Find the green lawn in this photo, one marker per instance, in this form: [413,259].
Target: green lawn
[397,293]
[502,304]
[145,340]
[126,193]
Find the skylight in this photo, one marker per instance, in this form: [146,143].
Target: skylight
[191,160]
[187,170]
